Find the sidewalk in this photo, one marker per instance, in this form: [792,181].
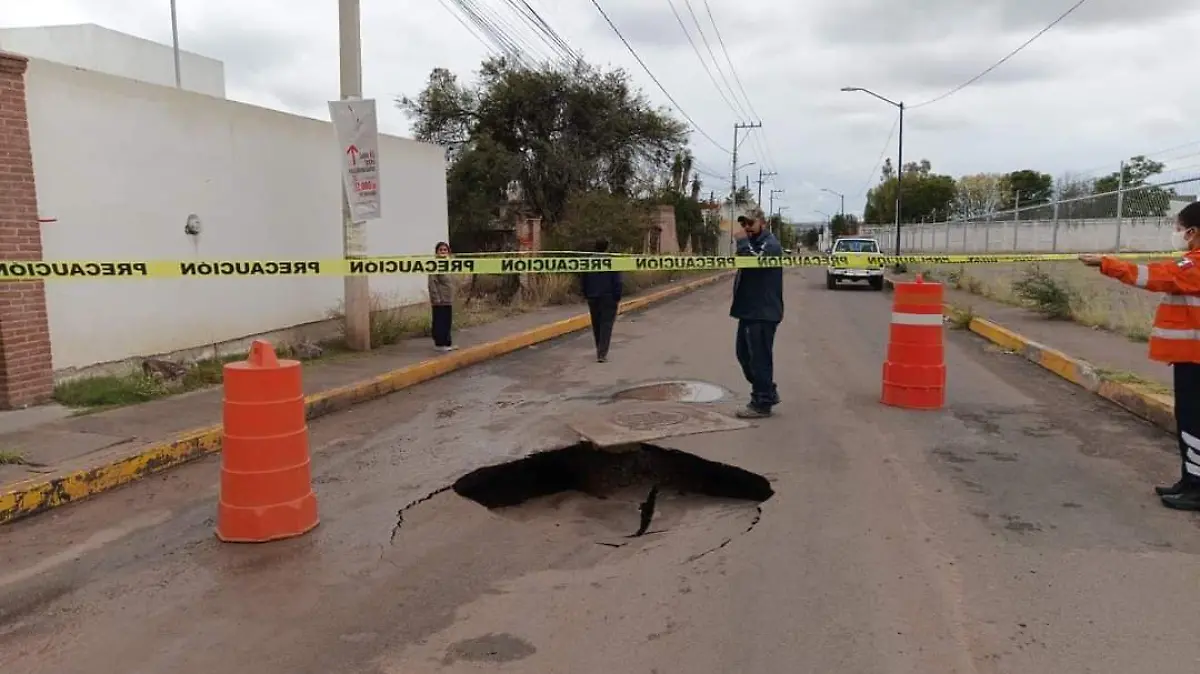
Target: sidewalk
[72,458]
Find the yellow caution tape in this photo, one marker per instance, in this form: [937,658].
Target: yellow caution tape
[32,270]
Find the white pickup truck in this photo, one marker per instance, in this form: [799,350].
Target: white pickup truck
[858,269]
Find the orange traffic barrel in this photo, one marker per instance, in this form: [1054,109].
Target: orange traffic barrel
[914,374]
[266,479]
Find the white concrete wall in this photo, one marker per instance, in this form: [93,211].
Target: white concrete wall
[114,53]
[122,164]
[1006,236]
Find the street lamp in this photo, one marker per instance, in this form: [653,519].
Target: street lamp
[175,43]
[899,156]
[840,196]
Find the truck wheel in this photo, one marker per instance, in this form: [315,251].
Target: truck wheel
[830,282]
[877,284]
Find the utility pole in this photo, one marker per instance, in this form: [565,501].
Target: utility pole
[737,126]
[773,193]
[761,175]
[357,299]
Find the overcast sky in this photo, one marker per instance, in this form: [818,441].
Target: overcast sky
[1116,78]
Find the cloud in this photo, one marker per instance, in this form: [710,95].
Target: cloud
[1110,81]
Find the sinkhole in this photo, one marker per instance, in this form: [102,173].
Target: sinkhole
[620,493]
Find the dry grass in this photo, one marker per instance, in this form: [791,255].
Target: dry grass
[1122,377]
[1059,289]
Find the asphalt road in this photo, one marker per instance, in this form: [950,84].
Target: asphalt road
[1014,531]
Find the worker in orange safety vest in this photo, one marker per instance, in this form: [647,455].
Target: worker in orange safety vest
[1175,339]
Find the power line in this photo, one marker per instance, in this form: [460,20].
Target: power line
[469,29]
[655,79]
[1001,62]
[731,68]
[703,63]
[886,145]
[741,112]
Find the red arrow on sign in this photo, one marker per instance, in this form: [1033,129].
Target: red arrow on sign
[353,152]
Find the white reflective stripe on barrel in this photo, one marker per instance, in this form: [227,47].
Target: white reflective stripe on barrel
[1175,335]
[916,319]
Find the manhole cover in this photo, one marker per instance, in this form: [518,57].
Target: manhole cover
[650,420]
[674,391]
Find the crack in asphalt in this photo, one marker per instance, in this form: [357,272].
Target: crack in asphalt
[753,523]
[413,504]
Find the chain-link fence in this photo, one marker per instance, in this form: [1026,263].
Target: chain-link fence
[1133,219]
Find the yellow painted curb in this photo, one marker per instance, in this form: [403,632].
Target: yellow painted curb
[36,495]
[1150,405]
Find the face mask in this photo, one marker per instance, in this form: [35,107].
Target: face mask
[1180,240]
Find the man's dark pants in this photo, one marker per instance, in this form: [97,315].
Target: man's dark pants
[756,353]
[604,315]
[1187,420]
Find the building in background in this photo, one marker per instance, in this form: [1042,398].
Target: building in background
[111,52]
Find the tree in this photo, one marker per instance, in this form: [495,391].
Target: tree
[811,238]
[1141,199]
[742,197]
[1025,188]
[843,225]
[977,195]
[558,133]
[926,195]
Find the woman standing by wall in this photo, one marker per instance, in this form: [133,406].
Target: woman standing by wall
[441,302]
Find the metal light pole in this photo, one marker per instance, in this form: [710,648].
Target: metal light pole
[899,156]
[357,297]
[175,43]
[841,196]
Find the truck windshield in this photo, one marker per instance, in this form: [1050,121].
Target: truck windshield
[856,246]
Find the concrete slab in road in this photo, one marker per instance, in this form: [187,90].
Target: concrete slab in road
[627,422]
[1013,531]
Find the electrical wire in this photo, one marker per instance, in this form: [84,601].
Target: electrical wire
[703,63]
[763,147]
[731,68]
[1001,62]
[473,31]
[661,88]
[740,111]
[886,145]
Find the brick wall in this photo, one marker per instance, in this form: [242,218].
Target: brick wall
[26,371]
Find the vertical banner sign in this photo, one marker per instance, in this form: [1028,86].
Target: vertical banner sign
[357,131]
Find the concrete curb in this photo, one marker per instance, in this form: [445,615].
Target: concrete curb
[1142,401]
[43,493]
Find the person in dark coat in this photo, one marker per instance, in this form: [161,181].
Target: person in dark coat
[758,307]
[603,292]
[441,303]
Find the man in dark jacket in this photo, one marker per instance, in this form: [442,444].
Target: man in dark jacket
[603,292]
[758,306]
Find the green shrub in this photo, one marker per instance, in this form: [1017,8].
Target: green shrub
[1045,294]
